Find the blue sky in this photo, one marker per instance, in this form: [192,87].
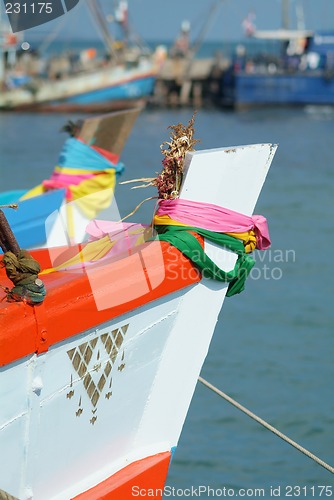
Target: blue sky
[161,19]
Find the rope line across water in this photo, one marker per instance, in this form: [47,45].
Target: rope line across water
[266,425]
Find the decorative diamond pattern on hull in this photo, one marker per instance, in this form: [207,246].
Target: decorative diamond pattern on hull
[86,360]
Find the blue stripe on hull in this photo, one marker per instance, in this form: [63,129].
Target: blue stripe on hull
[283,89]
[128,90]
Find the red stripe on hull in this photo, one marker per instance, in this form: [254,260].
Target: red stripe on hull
[148,475]
[70,308]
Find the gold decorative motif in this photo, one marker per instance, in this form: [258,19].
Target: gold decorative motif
[87,363]
[79,410]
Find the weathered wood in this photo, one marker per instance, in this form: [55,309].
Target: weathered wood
[7,239]
[109,131]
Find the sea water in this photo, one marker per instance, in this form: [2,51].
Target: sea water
[273,346]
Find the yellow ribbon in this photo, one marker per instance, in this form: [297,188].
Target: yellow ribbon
[248,238]
[97,192]
[92,252]
[36,191]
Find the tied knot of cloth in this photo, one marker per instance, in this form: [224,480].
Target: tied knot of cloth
[88,175]
[214,218]
[22,269]
[177,219]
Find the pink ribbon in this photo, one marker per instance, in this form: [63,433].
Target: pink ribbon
[61,181]
[215,218]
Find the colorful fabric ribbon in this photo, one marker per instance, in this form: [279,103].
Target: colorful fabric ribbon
[213,218]
[182,238]
[176,220]
[210,221]
[108,240]
[78,155]
[83,170]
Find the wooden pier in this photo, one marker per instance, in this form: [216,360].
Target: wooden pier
[183,82]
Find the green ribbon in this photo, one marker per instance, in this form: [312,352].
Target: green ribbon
[188,244]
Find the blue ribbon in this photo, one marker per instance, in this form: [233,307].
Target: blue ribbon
[76,154]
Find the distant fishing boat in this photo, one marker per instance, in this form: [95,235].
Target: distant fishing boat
[87,170]
[96,381]
[124,78]
[302,73]
[105,89]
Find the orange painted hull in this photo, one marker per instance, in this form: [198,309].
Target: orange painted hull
[70,308]
[143,477]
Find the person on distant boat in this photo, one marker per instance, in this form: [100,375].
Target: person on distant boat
[181,44]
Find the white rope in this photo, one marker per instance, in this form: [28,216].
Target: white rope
[11,205]
[266,425]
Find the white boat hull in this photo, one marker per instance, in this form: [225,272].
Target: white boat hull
[93,402]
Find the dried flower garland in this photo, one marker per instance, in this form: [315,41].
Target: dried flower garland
[168,182]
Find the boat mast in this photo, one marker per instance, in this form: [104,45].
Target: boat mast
[2,59]
[100,20]
[200,39]
[122,18]
[300,16]
[205,28]
[285,14]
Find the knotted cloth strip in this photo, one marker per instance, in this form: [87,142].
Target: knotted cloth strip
[88,175]
[182,238]
[22,270]
[176,220]
[213,218]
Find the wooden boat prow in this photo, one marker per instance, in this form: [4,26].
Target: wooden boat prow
[97,380]
[110,131]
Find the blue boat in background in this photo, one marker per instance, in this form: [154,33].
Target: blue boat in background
[122,76]
[292,79]
[299,72]
[104,89]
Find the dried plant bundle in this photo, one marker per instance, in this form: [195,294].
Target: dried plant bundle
[168,181]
